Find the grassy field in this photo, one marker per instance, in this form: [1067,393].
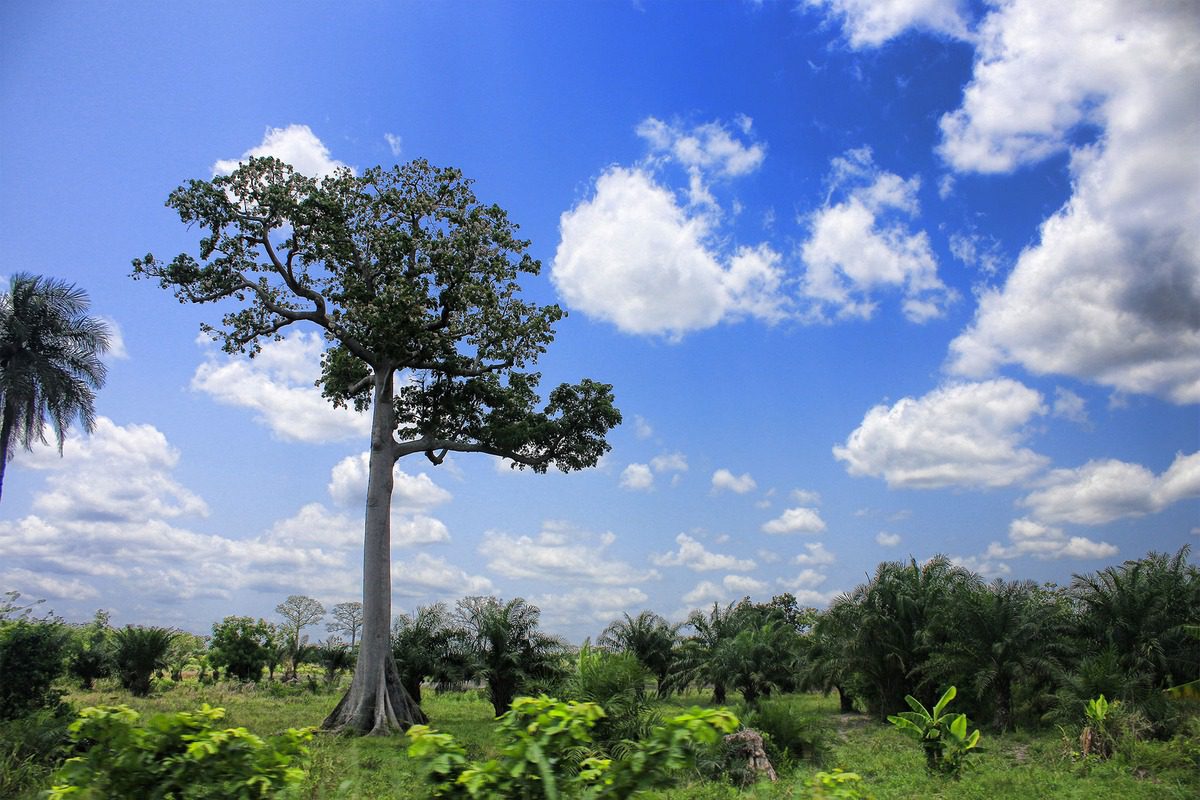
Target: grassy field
[1019,765]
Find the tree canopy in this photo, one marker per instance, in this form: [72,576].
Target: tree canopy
[414,285]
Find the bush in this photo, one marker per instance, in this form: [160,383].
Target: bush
[239,644]
[615,682]
[32,657]
[182,755]
[31,747]
[790,734]
[541,741]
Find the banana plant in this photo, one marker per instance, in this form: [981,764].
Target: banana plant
[943,736]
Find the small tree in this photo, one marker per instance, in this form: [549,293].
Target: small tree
[298,612]
[510,651]
[347,619]
[413,283]
[239,644]
[32,657]
[137,653]
[91,651]
[650,638]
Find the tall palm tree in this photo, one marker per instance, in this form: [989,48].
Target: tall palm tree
[49,362]
[510,651]
[650,638]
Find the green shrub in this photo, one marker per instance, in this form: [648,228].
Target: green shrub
[32,657]
[31,747]
[240,645]
[836,785]
[943,736]
[616,682]
[789,733]
[541,743]
[181,755]
[137,653]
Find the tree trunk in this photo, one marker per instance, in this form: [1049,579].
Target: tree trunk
[376,701]
[845,700]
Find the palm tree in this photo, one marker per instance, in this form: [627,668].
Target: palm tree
[426,644]
[702,656]
[138,653]
[650,638]
[49,362]
[509,649]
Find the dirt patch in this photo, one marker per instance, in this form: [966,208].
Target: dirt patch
[844,723]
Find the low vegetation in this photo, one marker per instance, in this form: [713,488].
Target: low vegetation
[1073,691]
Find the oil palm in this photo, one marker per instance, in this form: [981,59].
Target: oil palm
[50,363]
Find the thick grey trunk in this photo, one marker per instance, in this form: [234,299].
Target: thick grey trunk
[376,701]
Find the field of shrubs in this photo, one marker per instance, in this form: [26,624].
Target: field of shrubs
[925,681]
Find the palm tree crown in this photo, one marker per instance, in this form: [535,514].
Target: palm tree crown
[49,362]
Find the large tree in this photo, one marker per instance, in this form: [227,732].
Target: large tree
[413,283]
[49,362]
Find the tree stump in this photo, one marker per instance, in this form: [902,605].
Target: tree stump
[747,746]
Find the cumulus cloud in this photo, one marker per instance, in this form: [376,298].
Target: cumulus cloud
[633,256]
[871,23]
[1103,491]
[669,462]
[814,554]
[1028,537]
[861,245]
[296,145]
[693,555]
[649,259]
[595,603]
[394,143]
[559,553]
[1070,406]
[966,434]
[424,574]
[1110,292]
[724,480]
[731,587]
[885,539]
[637,478]
[348,486]
[278,386]
[111,520]
[796,520]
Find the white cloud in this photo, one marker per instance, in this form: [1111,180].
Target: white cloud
[693,555]
[731,587]
[1103,491]
[394,143]
[870,23]
[796,520]
[805,579]
[1070,406]
[348,486]
[885,539]
[806,497]
[559,553]
[278,385]
[641,428]
[594,603]
[724,480]
[116,340]
[632,256]
[966,434]
[423,574]
[708,148]
[1110,293]
[296,145]
[815,555]
[859,246]
[637,478]
[669,462]
[986,567]
[1031,538]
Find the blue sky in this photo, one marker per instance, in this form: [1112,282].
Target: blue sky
[871,280]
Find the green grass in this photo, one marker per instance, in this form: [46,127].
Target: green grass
[1019,765]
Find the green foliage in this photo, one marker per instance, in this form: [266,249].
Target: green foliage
[32,656]
[790,733]
[616,683]
[31,747]
[182,755]
[137,653]
[334,656]
[650,639]
[430,643]
[541,742]
[510,651]
[943,736]
[50,362]
[240,645]
[92,651]
[835,785]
